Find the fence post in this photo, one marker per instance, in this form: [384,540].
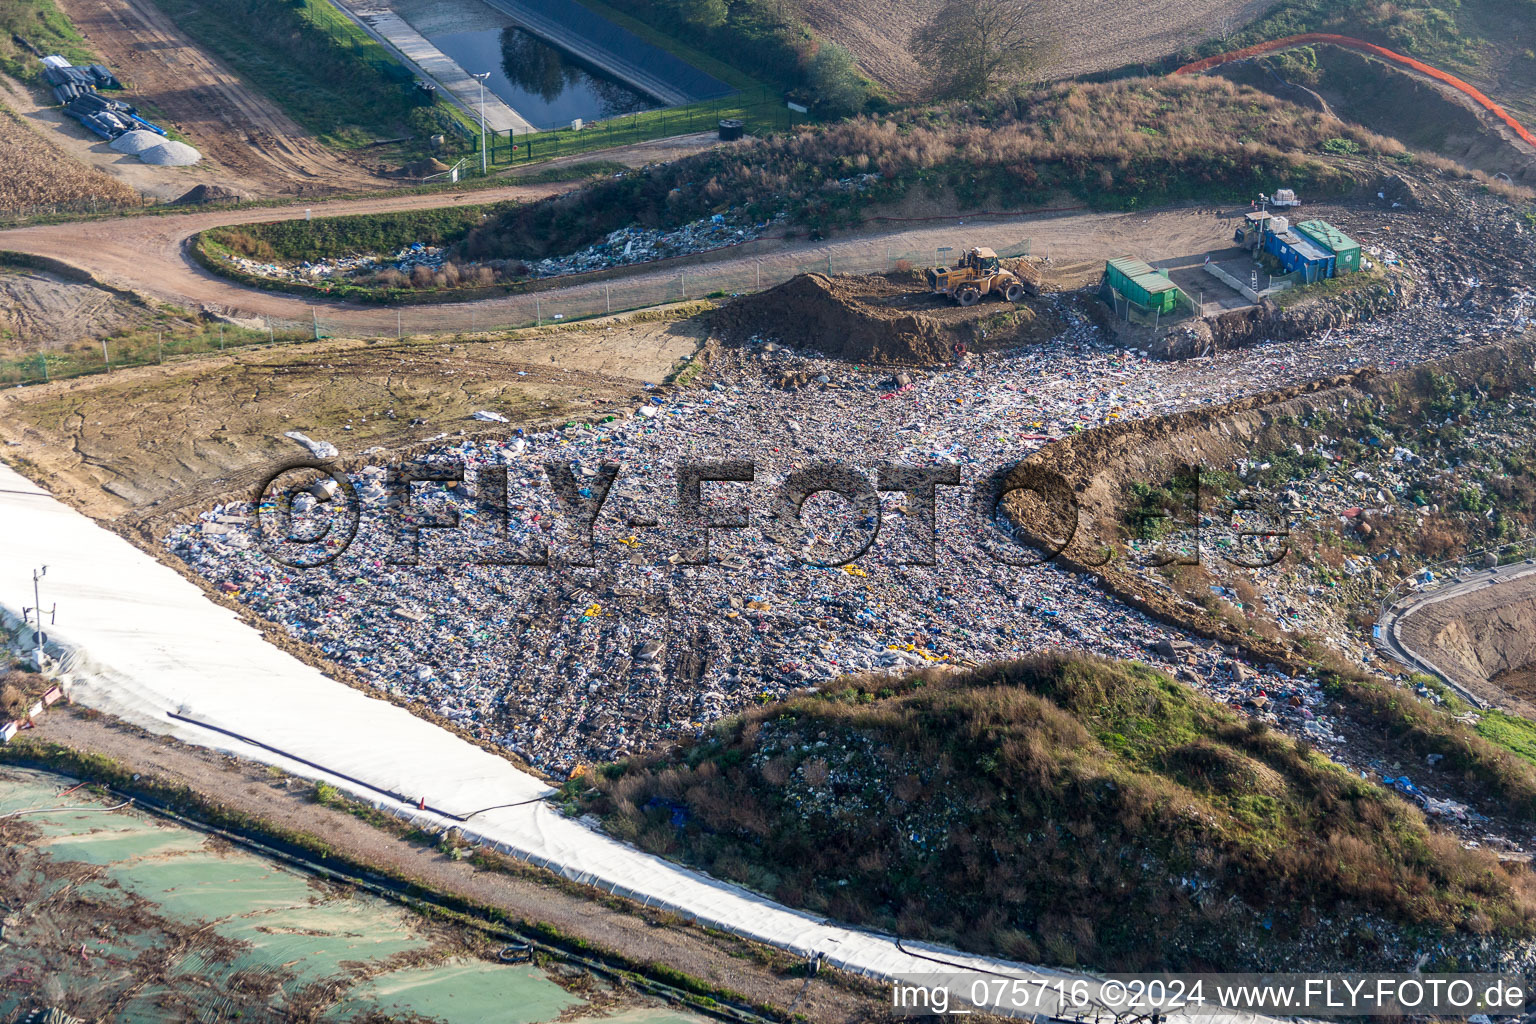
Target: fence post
[759,275]
[105,356]
[269,329]
[397,325]
[607,297]
[684,276]
[221,337]
[538,313]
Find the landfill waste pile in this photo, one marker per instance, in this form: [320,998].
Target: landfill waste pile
[405,259]
[573,664]
[622,248]
[641,245]
[1384,488]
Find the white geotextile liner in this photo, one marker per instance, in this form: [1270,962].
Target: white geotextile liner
[145,643]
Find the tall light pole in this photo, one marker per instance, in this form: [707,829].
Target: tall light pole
[481,79]
[36,612]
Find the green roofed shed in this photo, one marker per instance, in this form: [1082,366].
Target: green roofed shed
[1141,284]
[1345,249]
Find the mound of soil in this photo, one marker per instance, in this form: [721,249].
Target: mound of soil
[880,319]
[423,167]
[208,194]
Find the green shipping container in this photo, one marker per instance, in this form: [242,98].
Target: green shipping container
[1346,250]
[1141,284]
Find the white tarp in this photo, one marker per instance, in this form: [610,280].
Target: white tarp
[146,645]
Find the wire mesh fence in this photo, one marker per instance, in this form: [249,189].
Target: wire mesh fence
[71,208]
[760,110]
[575,299]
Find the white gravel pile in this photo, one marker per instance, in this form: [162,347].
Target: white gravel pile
[171,154]
[136,141]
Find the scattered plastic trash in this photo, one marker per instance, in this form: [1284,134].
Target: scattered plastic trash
[319,449]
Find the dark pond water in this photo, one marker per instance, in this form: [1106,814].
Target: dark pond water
[547,86]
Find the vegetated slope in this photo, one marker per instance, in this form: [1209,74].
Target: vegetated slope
[1414,110]
[1486,42]
[1470,484]
[40,23]
[328,237]
[1368,415]
[1070,811]
[1129,143]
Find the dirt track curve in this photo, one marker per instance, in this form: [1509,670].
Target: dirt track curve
[147,255]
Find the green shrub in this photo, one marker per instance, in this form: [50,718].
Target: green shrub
[1018,809]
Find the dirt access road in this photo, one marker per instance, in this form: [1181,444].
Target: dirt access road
[147,255]
[263,150]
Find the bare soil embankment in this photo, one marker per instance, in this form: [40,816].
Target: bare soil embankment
[885,319]
[1484,640]
[1411,108]
[160,436]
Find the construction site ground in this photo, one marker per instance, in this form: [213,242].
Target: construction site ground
[44,311]
[134,438]
[1188,272]
[258,146]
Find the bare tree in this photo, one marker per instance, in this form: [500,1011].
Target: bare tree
[972,46]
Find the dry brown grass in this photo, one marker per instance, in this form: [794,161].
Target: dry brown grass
[1130,143]
[37,173]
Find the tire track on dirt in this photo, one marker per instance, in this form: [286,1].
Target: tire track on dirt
[236,127]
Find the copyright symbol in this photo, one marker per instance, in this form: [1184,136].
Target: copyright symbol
[278,534]
[1112,992]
